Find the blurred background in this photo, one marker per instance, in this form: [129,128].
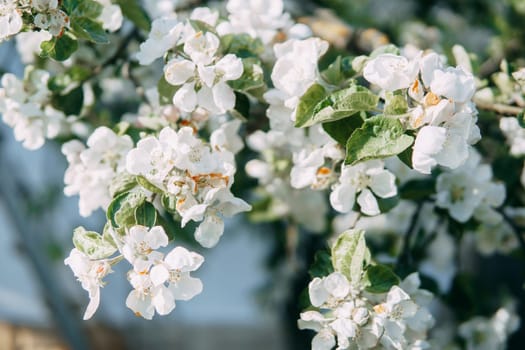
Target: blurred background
[243,306]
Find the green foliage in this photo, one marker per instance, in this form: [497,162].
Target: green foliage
[350,255]
[242,45]
[379,137]
[92,244]
[418,189]
[132,10]
[142,181]
[379,279]
[166,91]
[146,215]
[59,48]
[252,77]
[340,130]
[338,105]
[121,211]
[71,102]
[88,29]
[395,105]
[338,71]
[322,265]
[305,109]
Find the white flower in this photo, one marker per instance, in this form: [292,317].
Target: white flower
[164,35]
[515,135]
[259,19]
[391,72]
[146,298]
[90,274]
[455,84]
[91,170]
[10,19]
[175,269]
[202,47]
[140,244]
[329,289]
[111,16]
[226,137]
[53,20]
[363,178]
[468,189]
[296,66]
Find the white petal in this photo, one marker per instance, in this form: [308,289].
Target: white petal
[324,340]
[185,98]
[163,301]
[368,203]
[383,184]
[140,304]
[342,198]
[159,274]
[178,72]
[157,237]
[94,301]
[186,288]
[317,291]
[224,97]
[209,231]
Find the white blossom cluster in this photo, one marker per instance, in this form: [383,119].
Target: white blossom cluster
[92,170]
[158,280]
[469,191]
[440,105]
[198,177]
[26,107]
[350,318]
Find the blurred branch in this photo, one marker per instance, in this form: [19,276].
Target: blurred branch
[10,190]
[499,108]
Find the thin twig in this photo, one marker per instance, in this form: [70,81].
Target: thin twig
[499,108]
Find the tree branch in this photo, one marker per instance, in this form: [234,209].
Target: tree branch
[499,108]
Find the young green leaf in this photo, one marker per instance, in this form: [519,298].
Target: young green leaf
[379,137]
[132,10]
[305,109]
[92,244]
[146,215]
[88,29]
[59,48]
[342,104]
[379,279]
[349,254]
[322,265]
[340,130]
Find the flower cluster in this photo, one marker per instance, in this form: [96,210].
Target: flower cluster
[92,170]
[157,280]
[353,319]
[440,106]
[196,177]
[26,107]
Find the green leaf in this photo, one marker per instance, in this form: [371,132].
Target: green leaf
[332,74]
[342,104]
[122,183]
[132,10]
[146,215]
[322,265]
[349,254]
[59,48]
[142,181]
[201,26]
[242,45]
[121,211]
[169,203]
[379,279]
[418,189]
[305,109]
[86,28]
[92,244]
[87,8]
[252,76]
[242,107]
[340,130]
[166,91]
[68,79]
[70,103]
[379,137]
[70,5]
[396,105]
